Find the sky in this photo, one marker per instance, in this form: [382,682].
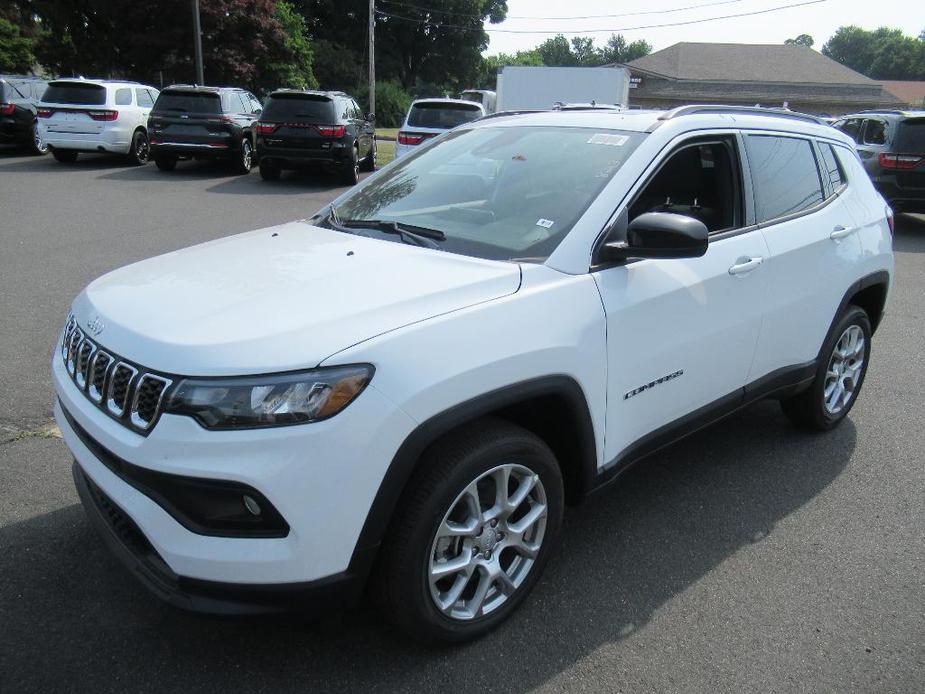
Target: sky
[819,20]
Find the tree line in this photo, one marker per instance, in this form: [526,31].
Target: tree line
[264,44]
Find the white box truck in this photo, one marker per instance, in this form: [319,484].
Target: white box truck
[526,88]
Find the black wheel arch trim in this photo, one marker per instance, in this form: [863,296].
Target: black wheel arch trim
[404,462]
[881,277]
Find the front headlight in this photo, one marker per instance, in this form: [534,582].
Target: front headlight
[269,401]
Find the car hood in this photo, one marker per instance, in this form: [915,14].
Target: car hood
[277,299]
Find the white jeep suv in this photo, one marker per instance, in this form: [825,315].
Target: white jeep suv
[404,391]
[79,115]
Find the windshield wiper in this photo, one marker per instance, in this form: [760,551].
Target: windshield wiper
[421,236]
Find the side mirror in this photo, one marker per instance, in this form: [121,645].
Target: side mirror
[371,117]
[659,235]
[258,111]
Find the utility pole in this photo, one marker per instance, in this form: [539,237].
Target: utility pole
[197,43]
[372,56]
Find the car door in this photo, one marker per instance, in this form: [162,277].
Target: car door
[145,103]
[365,128]
[871,143]
[681,333]
[811,233]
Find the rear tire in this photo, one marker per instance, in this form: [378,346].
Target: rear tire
[269,170]
[351,175]
[453,512]
[65,156]
[140,151]
[165,163]
[37,146]
[245,158]
[839,375]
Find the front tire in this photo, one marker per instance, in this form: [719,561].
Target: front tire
[140,152]
[473,534]
[839,375]
[65,156]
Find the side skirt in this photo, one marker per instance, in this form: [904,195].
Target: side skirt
[777,384]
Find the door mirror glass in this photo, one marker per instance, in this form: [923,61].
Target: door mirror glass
[659,235]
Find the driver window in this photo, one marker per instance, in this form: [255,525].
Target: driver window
[697,181]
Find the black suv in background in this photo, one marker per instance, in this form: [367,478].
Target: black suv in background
[18,99]
[192,122]
[311,128]
[891,145]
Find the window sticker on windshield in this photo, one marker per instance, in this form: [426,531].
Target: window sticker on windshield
[605,139]
[545,223]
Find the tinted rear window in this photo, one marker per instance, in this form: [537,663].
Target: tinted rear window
[437,115]
[188,102]
[299,107]
[910,136]
[75,93]
[784,175]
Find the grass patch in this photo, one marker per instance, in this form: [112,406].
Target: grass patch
[387,132]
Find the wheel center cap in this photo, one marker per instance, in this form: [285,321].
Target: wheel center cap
[488,539]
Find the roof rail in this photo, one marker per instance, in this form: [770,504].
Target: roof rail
[744,110]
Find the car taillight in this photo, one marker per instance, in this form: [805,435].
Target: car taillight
[331,130]
[266,128]
[409,139]
[103,115]
[7,109]
[889,220]
[44,112]
[902,162]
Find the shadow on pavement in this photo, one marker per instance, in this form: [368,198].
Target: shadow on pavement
[909,236]
[74,619]
[47,163]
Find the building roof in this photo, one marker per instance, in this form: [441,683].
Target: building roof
[907,91]
[749,62]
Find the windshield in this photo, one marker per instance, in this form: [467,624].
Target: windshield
[75,93]
[442,115]
[504,193]
[188,102]
[300,107]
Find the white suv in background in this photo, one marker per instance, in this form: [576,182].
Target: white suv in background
[79,115]
[405,390]
[427,118]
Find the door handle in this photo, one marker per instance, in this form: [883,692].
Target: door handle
[745,265]
[840,232]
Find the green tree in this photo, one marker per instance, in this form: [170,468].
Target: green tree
[293,67]
[557,52]
[802,40]
[17,52]
[617,50]
[881,54]
[586,54]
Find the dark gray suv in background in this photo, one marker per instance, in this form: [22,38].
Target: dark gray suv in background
[18,98]
[891,145]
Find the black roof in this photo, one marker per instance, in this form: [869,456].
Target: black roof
[312,92]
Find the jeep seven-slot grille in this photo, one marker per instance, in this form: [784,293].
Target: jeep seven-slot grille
[125,391]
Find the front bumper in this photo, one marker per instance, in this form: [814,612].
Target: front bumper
[321,477]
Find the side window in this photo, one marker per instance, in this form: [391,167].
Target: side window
[699,181]
[851,128]
[357,111]
[875,133]
[143,98]
[784,175]
[831,167]
[123,97]
[253,103]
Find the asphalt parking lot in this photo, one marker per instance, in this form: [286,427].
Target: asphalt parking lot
[751,557]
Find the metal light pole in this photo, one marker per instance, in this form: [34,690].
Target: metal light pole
[372,56]
[197,43]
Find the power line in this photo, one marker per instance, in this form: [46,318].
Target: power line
[597,31]
[590,16]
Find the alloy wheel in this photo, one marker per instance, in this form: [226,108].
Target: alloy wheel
[40,146]
[246,155]
[844,370]
[487,542]
[142,150]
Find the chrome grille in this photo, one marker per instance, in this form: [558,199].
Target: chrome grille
[126,392]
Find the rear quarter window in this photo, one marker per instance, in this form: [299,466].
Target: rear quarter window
[75,93]
[784,175]
[188,102]
[441,115]
[910,137]
[299,107]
